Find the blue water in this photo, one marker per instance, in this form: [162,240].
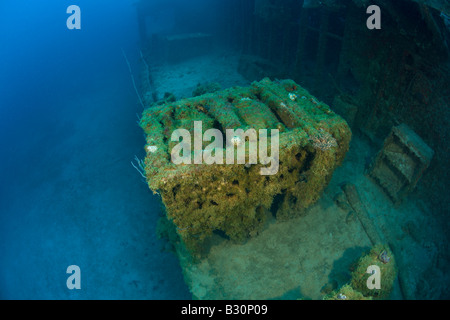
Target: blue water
[68,194]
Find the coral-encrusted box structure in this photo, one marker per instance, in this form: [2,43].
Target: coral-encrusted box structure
[234,199]
[400,164]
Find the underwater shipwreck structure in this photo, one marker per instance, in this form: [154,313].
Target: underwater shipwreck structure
[234,199]
[388,88]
